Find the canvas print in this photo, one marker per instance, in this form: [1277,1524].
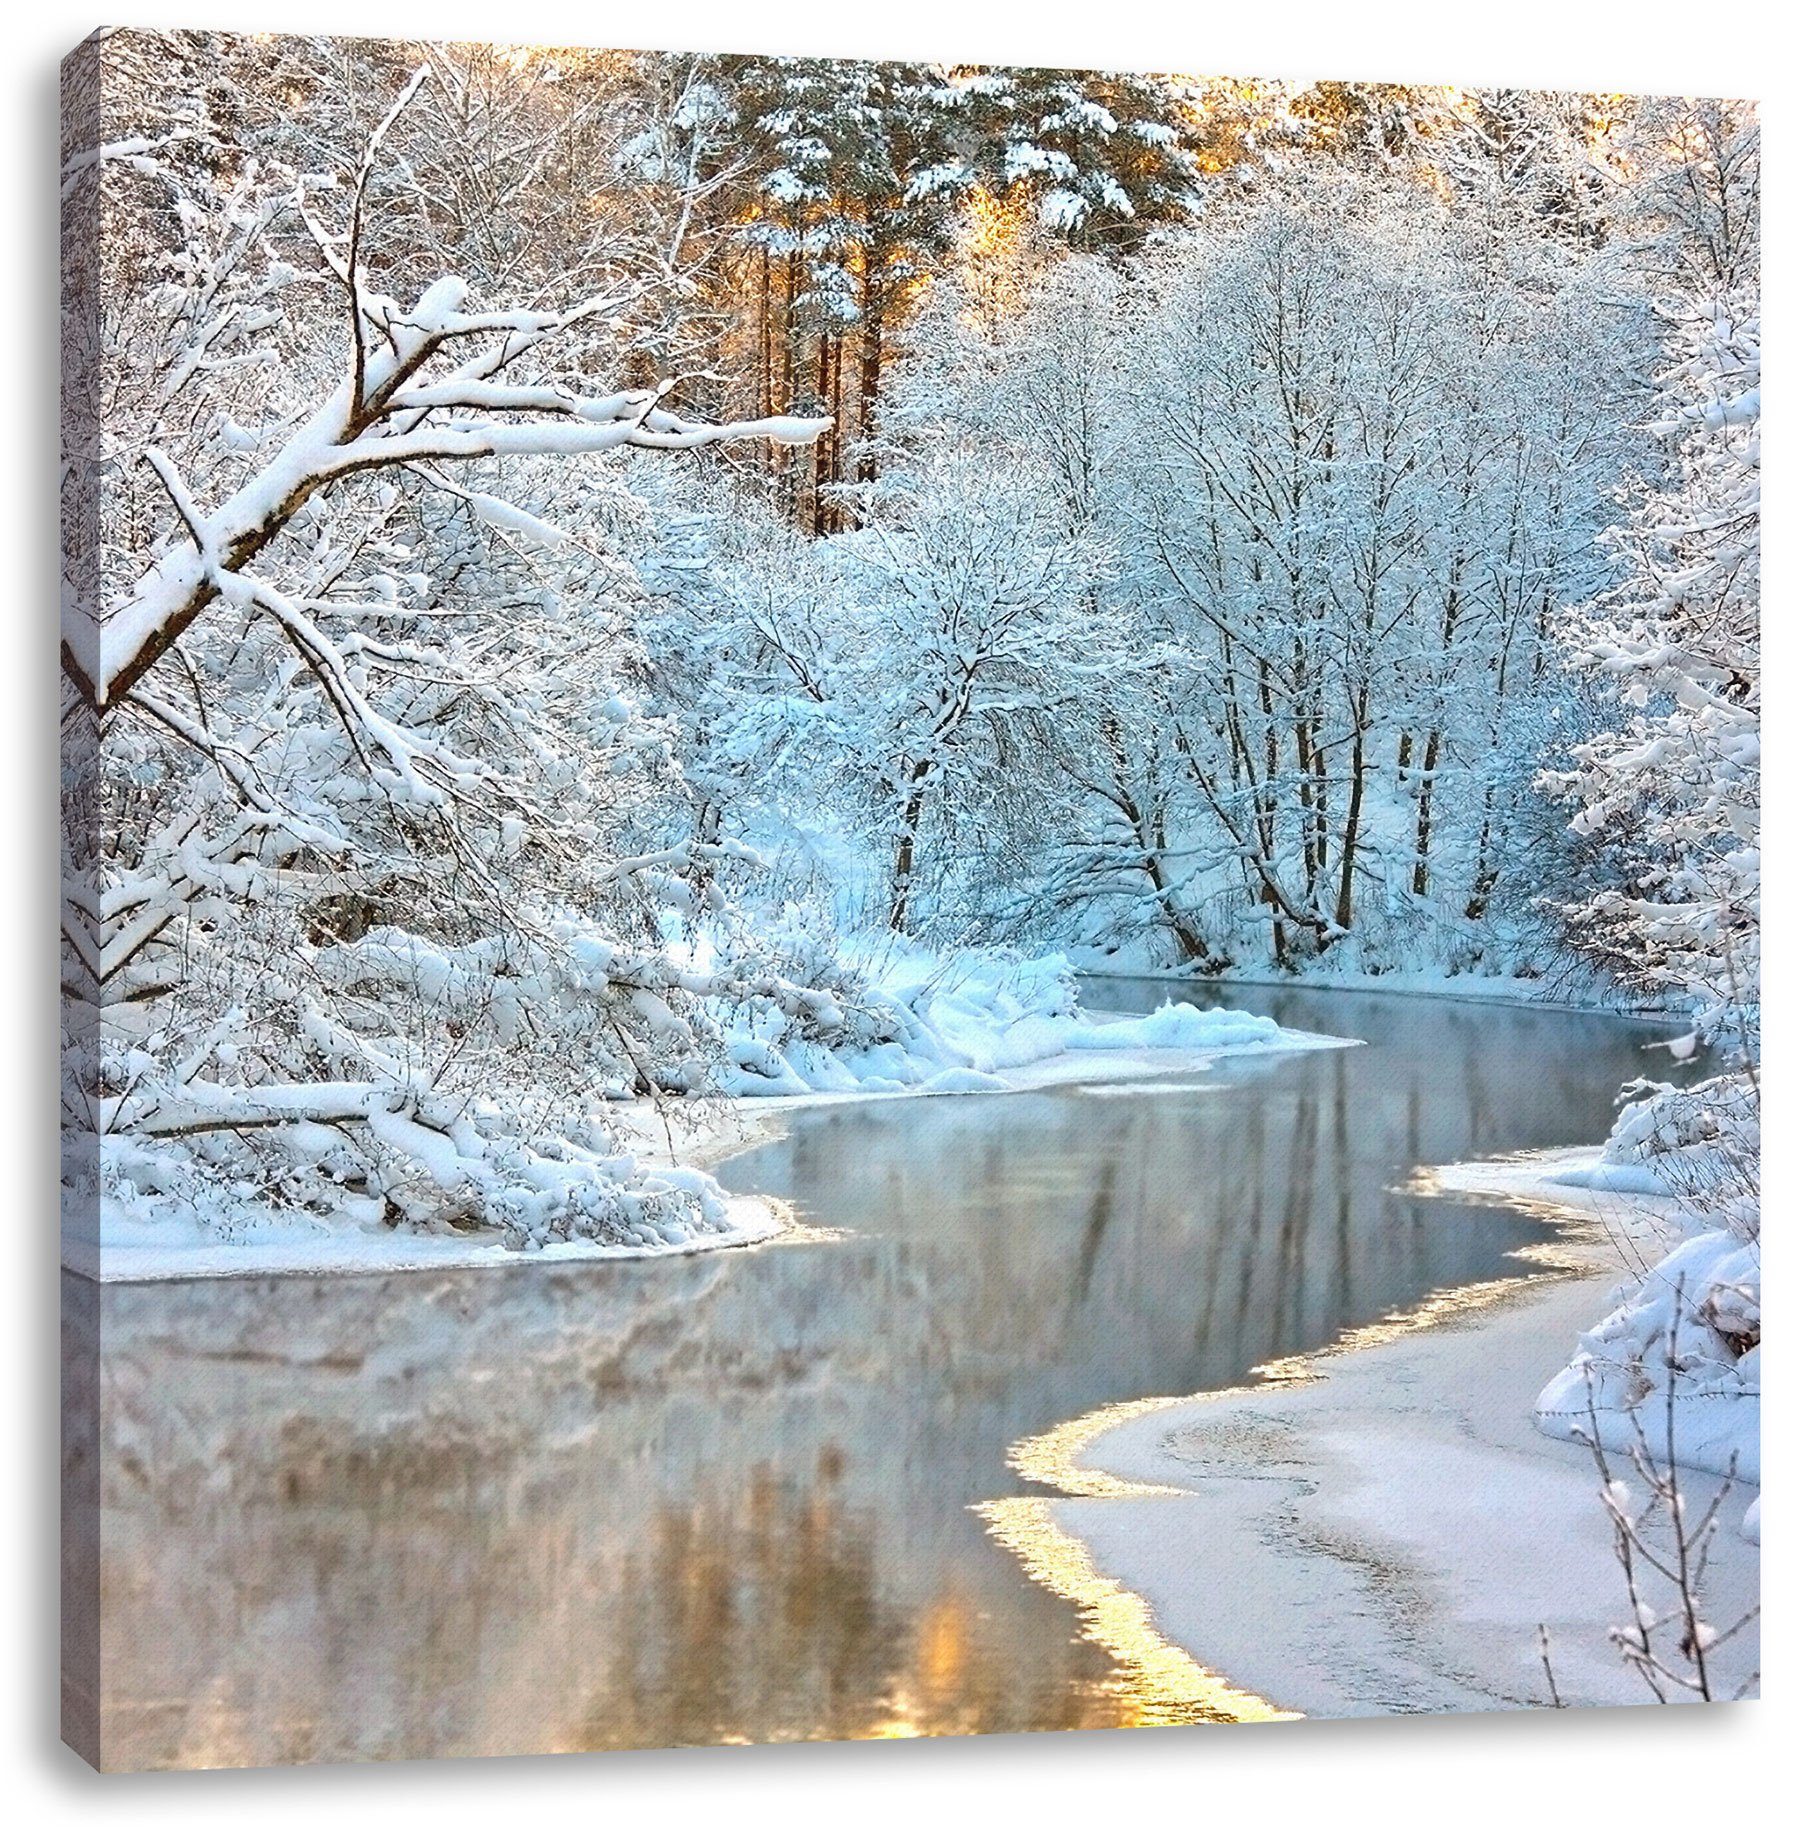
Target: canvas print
[900,899]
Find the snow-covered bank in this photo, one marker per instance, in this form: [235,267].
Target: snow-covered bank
[978,1026]
[1560,995]
[1381,1531]
[982,1021]
[1675,1362]
[1567,1185]
[294,1251]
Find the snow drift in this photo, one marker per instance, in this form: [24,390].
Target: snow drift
[1677,1365]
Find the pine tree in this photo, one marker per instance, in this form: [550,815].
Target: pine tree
[1103,155]
[853,181]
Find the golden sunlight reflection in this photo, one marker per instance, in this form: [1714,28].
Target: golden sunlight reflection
[1163,1683]
[738,1498]
[1160,1684]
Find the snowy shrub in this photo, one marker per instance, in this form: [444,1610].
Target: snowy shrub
[1674,792]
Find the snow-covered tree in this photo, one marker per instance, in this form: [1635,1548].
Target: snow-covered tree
[1670,799]
[385,902]
[1356,474]
[976,634]
[1101,154]
[1675,790]
[848,184]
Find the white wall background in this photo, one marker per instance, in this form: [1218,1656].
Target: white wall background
[1535,1775]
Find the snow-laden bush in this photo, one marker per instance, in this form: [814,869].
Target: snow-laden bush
[1673,795]
[1699,1144]
[1679,1359]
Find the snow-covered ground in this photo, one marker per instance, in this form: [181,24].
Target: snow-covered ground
[1387,1538]
[977,1020]
[1686,1293]
[1382,1529]
[978,1027]
[131,1250]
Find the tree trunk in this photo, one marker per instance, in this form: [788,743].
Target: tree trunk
[1193,947]
[1482,887]
[1421,876]
[1265,819]
[785,461]
[838,520]
[824,471]
[868,387]
[1352,818]
[765,350]
[1311,865]
[900,888]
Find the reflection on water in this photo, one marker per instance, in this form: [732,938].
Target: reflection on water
[1156,1684]
[731,1497]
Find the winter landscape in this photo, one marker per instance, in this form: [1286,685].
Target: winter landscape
[899,899]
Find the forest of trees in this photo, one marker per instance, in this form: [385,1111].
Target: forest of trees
[580,557]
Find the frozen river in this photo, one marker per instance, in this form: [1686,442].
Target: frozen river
[732,1497]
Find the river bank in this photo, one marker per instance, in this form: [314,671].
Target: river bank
[1384,1529]
[1573,996]
[1097,1047]
[699,1499]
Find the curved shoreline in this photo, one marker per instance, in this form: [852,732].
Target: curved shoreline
[1378,1528]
